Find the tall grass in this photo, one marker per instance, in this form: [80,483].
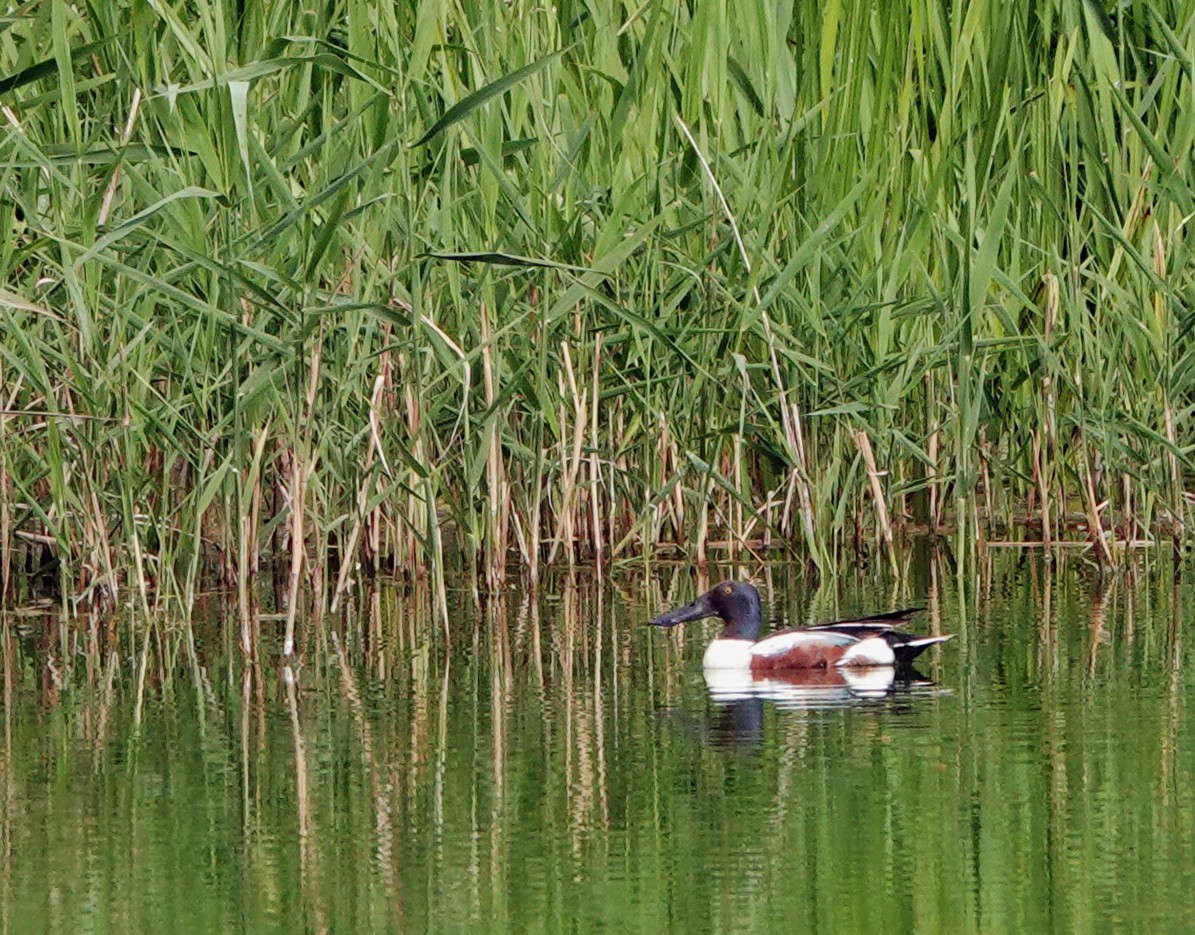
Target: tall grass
[354,285]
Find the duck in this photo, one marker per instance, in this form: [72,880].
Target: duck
[860,641]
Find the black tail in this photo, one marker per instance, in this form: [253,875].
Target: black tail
[906,648]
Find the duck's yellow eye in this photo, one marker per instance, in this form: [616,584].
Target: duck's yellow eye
[727,589]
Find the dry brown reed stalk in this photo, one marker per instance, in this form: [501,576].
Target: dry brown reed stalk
[534,522]
[1105,550]
[139,568]
[6,538]
[738,531]
[248,560]
[410,555]
[674,503]
[801,475]
[497,527]
[1105,547]
[297,495]
[142,668]
[933,452]
[528,528]
[97,547]
[380,408]
[348,556]
[1043,507]
[1162,325]
[9,680]
[1130,531]
[701,545]
[983,460]
[863,442]
[595,464]
[1046,446]
[571,460]
[438,571]
[555,500]
[303,461]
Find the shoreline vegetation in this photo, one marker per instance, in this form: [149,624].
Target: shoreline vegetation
[365,287]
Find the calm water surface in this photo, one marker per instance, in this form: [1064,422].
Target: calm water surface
[556,767]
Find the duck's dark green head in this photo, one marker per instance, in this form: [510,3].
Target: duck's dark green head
[735,602]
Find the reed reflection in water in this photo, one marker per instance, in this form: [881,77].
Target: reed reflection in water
[557,766]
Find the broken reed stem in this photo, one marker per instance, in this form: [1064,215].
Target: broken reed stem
[1095,524]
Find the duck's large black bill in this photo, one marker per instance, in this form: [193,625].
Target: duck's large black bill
[698,610]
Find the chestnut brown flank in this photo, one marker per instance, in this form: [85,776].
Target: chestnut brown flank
[799,657]
[829,677]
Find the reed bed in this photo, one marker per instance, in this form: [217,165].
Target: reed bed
[344,287]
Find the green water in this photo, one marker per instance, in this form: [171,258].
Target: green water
[556,767]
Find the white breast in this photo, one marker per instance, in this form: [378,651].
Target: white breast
[728,654]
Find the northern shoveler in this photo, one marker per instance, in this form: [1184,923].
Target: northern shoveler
[865,641]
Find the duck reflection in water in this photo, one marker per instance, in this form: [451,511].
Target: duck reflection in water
[831,687]
[735,716]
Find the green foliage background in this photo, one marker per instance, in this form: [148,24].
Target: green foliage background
[519,279]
